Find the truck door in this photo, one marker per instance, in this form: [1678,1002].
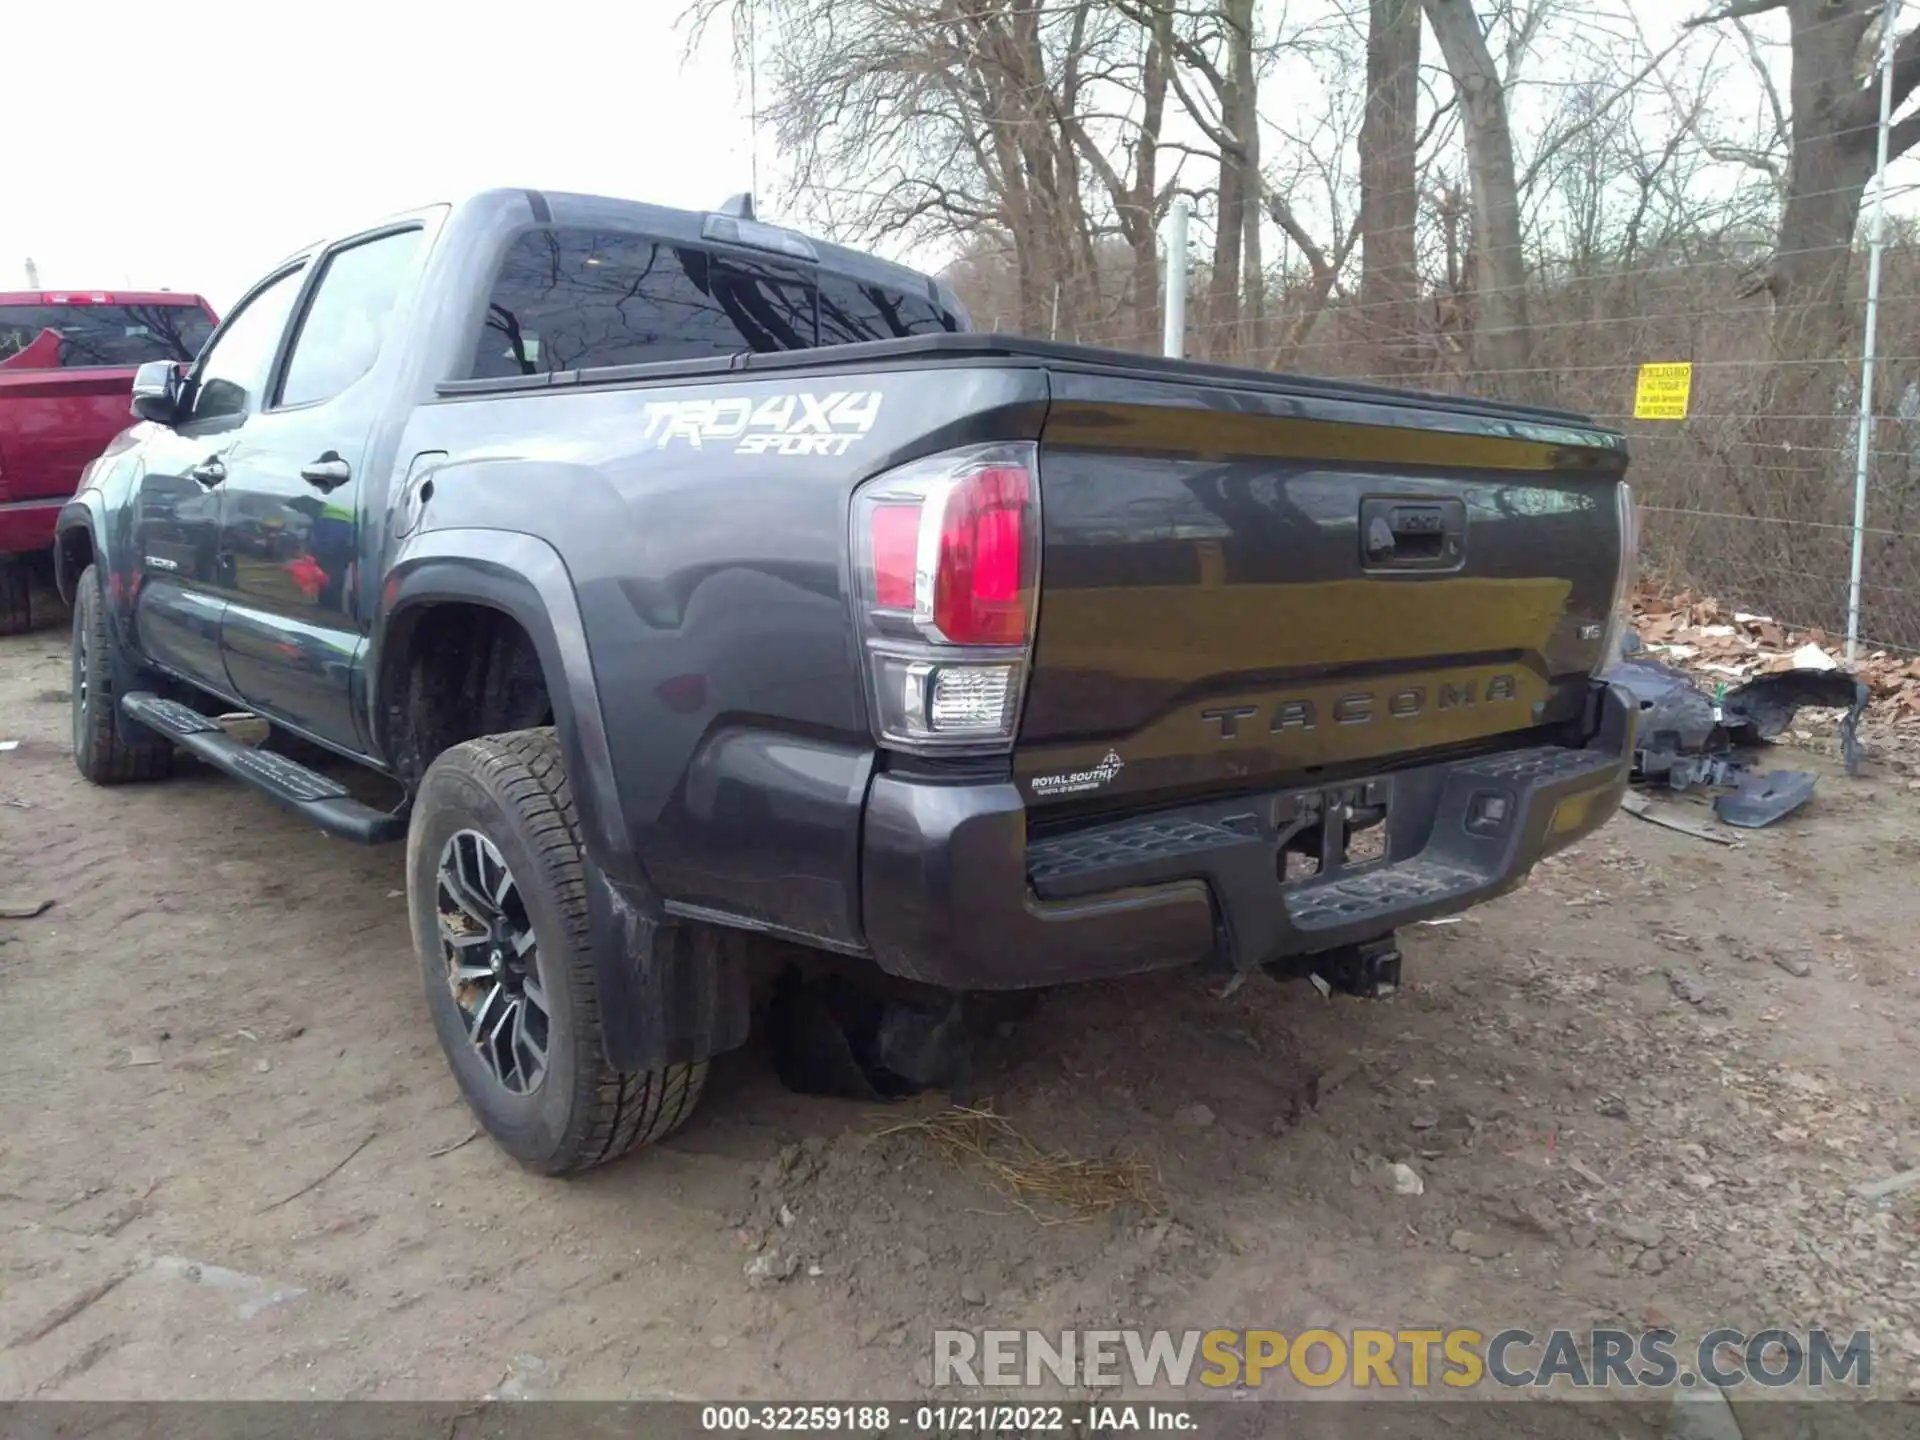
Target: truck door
[178,598]
[292,633]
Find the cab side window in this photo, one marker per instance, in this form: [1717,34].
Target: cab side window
[234,372]
[347,319]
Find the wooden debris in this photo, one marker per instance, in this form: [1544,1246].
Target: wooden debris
[1723,645]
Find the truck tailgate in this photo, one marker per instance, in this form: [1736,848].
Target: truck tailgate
[1241,587]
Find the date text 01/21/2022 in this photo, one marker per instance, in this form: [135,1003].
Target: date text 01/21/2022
[881,1419]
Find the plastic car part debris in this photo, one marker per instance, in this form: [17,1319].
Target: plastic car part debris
[1763,708]
[1655,814]
[1763,799]
[831,1036]
[1675,717]
[1679,721]
[1686,771]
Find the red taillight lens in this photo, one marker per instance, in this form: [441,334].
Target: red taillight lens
[946,563]
[977,593]
[896,552]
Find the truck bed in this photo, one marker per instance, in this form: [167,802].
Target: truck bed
[979,347]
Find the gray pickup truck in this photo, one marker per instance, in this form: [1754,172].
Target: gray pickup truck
[678,581]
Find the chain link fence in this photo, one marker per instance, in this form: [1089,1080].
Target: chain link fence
[1750,498]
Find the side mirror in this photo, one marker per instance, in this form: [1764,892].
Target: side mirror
[156,391]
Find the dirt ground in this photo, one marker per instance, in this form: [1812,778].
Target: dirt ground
[234,1164]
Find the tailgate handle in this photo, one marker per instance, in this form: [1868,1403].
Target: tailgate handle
[1412,534]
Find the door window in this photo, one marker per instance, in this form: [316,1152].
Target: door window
[347,319]
[235,368]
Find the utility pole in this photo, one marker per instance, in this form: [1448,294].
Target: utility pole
[1863,454]
[33,274]
[1174,340]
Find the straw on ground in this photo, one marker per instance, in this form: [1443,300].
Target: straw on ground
[1071,1188]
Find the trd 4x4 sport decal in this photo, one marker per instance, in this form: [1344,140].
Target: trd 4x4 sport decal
[801,424]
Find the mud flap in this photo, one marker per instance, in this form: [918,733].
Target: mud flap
[670,993]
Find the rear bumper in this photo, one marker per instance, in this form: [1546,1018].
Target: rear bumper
[27,525]
[955,895]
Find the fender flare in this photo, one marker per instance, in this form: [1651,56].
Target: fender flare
[669,993]
[79,513]
[87,511]
[524,578]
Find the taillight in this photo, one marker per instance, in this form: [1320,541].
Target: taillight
[947,559]
[896,550]
[977,577]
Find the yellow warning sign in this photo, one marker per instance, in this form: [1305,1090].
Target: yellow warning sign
[1663,392]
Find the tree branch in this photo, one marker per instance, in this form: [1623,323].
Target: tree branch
[1435,120]
[1782,130]
[1752,159]
[1903,137]
[1863,106]
[1559,142]
[1738,10]
[1310,250]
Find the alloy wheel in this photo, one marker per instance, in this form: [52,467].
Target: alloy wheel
[493,962]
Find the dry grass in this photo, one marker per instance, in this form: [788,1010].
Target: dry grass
[1051,1186]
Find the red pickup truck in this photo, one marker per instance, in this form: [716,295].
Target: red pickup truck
[66,378]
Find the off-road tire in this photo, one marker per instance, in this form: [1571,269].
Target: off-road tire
[108,749]
[16,596]
[512,790]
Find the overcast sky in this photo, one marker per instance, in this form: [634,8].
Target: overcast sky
[190,146]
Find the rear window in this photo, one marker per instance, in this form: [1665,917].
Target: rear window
[851,312]
[74,337]
[578,299]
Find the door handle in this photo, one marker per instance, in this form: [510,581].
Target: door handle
[329,472]
[1400,534]
[210,471]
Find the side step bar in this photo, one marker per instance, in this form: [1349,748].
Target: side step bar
[309,794]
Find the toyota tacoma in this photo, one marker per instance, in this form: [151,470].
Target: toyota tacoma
[673,581]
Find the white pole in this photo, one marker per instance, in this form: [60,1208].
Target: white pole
[1864,452]
[1174,336]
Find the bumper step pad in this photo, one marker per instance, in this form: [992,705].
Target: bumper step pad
[1386,890]
[1453,833]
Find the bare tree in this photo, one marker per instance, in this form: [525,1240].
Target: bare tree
[947,120]
[1211,47]
[1140,200]
[1502,337]
[1832,121]
[1390,186]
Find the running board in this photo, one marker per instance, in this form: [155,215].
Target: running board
[309,794]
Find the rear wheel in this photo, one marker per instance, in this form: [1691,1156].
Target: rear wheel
[108,748]
[497,893]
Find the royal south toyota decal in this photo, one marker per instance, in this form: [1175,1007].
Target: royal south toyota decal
[802,424]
